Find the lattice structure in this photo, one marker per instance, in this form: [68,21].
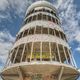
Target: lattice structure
[41,51]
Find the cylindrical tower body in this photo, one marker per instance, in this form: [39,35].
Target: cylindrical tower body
[41,51]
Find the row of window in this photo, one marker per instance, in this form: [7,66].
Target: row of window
[42,10]
[40,51]
[41,16]
[42,30]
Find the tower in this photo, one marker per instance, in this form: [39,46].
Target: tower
[41,51]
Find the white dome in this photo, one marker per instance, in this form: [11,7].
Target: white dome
[42,4]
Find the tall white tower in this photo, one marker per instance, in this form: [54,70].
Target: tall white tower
[41,51]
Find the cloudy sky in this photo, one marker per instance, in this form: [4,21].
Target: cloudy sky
[12,13]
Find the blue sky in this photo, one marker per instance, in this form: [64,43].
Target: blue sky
[12,13]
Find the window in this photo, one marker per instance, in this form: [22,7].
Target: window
[34,18]
[49,18]
[44,30]
[19,54]
[67,54]
[44,17]
[31,31]
[53,51]
[38,29]
[51,12]
[30,19]
[53,19]
[62,54]
[51,31]
[36,51]
[56,21]
[27,52]
[25,33]
[13,54]
[57,33]
[39,16]
[45,51]
[61,35]
[20,35]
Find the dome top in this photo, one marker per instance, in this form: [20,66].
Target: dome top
[41,4]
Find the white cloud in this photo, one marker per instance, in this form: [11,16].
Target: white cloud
[69,17]
[6,41]
[78,37]
[59,2]
[3,4]
[78,48]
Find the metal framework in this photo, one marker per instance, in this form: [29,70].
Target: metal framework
[41,51]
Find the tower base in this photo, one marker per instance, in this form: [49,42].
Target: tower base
[40,71]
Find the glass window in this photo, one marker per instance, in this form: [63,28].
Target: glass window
[67,54]
[44,30]
[27,52]
[19,54]
[34,18]
[30,19]
[36,51]
[25,33]
[61,35]
[44,17]
[45,51]
[56,21]
[53,19]
[38,29]
[51,12]
[51,31]
[65,38]
[20,35]
[53,51]
[13,55]
[40,9]
[39,16]
[49,18]
[31,31]
[57,33]
[62,55]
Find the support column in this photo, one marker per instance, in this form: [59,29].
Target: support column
[41,51]
[60,74]
[58,52]
[9,58]
[74,61]
[50,51]
[21,74]
[16,54]
[65,55]
[23,52]
[31,50]
[70,58]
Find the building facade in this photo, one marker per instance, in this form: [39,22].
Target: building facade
[41,50]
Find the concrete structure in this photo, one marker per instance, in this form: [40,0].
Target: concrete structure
[41,51]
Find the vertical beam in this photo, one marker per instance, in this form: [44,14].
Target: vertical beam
[70,58]
[20,72]
[9,58]
[31,50]
[16,54]
[58,52]
[23,52]
[65,54]
[50,51]
[61,72]
[41,52]
[74,61]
